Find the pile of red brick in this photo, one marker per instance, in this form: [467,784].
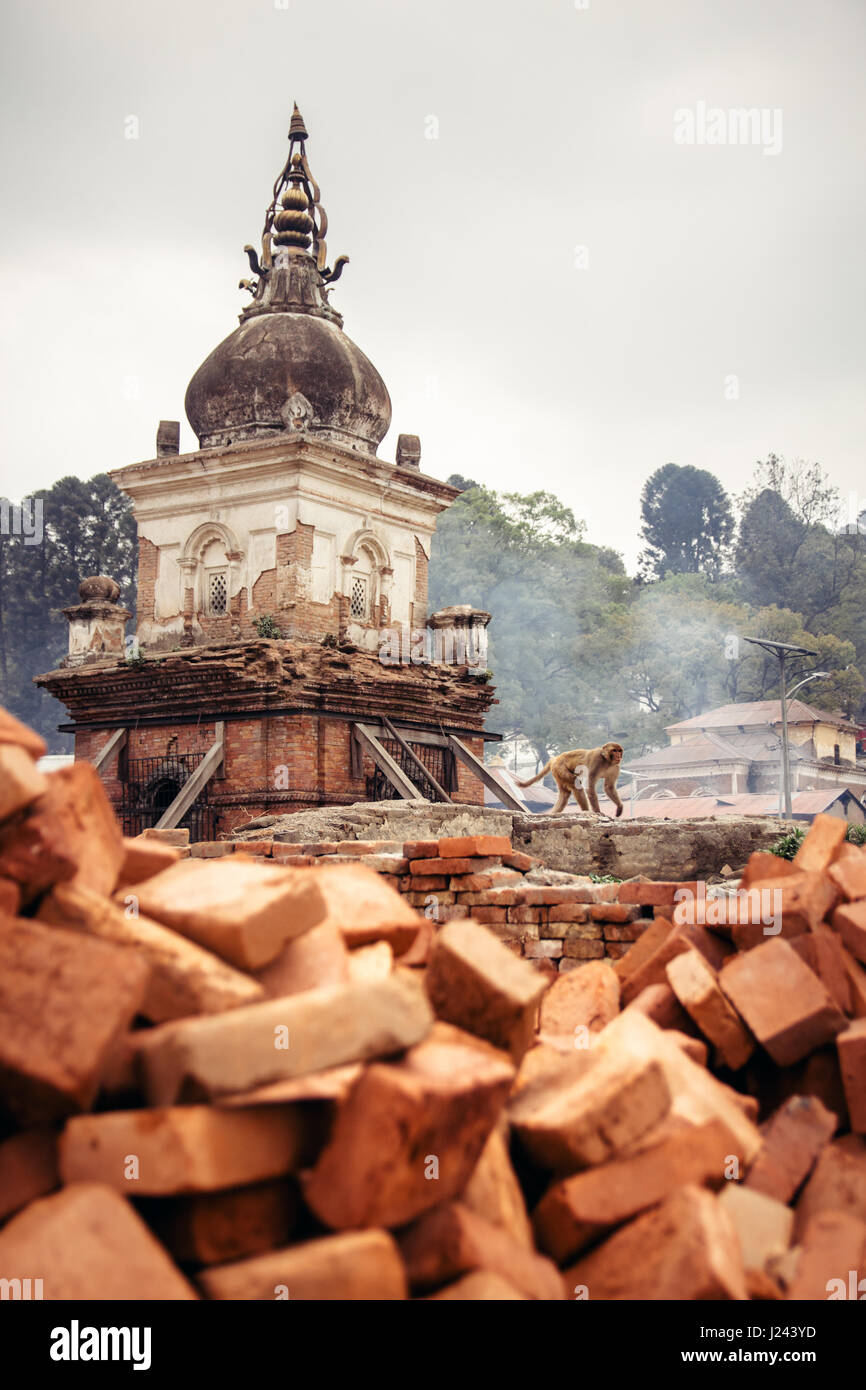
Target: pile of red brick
[239,1079]
[558,926]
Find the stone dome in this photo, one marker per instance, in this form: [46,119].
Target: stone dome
[285,371]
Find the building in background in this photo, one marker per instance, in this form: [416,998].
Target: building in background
[736,749]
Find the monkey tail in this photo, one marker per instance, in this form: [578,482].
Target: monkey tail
[537,778]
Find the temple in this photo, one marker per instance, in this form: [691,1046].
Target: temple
[284,656]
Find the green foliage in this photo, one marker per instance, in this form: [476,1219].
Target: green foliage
[688,523]
[604,878]
[523,559]
[88,529]
[856,835]
[267,626]
[787,845]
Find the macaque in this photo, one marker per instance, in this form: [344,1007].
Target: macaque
[569,769]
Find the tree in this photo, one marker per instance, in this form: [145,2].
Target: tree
[688,523]
[87,528]
[522,558]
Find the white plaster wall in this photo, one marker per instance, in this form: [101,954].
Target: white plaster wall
[257,510]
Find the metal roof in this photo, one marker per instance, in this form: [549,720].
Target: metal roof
[766,712]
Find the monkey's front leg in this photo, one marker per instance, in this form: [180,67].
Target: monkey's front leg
[593,799]
[610,788]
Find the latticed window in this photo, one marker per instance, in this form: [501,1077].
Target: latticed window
[358,597]
[217,593]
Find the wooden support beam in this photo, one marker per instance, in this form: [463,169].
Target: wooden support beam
[413,757]
[191,788]
[114,745]
[475,765]
[386,764]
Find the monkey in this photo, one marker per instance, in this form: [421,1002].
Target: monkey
[567,769]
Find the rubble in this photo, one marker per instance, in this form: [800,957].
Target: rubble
[257,1076]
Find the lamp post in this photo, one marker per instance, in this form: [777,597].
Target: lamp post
[783,652]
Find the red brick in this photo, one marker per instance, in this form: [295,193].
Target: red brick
[850,922]
[784,1004]
[490,914]
[474,983]
[848,871]
[694,982]
[65,1001]
[184,1148]
[421,849]
[87,1243]
[20,780]
[441,1099]
[517,860]
[16,734]
[584,950]
[209,1228]
[822,843]
[353,1266]
[837,1183]
[628,933]
[524,915]
[474,846]
[450,866]
[575,1212]
[586,999]
[851,1046]
[568,912]
[832,1244]
[429,883]
[684,1249]
[658,894]
[822,952]
[263,848]
[613,912]
[793,1138]
[28,1169]
[452,1240]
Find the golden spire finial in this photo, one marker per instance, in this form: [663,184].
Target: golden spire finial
[297,129]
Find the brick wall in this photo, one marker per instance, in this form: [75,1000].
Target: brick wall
[556,927]
[148,563]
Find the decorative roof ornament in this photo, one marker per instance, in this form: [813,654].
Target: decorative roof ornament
[296,216]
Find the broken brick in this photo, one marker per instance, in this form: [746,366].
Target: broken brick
[475,983]
[52,1048]
[241,910]
[353,1266]
[227,1053]
[88,1243]
[685,1248]
[695,984]
[184,1148]
[574,1213]
[793,1138]
[784,1004]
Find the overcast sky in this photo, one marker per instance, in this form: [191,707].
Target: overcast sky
[715,312]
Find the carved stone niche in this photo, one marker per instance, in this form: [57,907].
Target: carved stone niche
[459,636]
[96,625]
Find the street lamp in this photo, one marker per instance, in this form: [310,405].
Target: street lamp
[783,652]
[815,675]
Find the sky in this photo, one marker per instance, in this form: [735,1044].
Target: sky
[569,264]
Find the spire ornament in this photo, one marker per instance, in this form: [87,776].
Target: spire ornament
[302,220]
